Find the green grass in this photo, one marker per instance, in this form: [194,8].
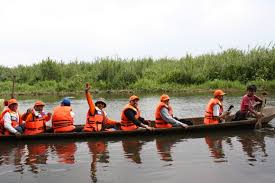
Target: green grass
[229,69]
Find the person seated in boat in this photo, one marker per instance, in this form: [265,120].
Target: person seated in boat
[36,119]
[11,121]
[164,114]
[131,118]
[97,119]
[214,110]
[248,104]
[63,117]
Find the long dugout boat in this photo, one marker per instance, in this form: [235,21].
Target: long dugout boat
[198,127]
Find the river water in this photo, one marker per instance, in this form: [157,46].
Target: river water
[236,156]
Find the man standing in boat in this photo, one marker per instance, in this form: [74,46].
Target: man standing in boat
[97,119]
[164,114]
[248,104]
[130,116]
[214,110]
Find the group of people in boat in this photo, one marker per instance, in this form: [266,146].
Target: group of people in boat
[36,120]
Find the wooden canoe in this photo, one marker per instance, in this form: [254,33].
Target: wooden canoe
[198,127]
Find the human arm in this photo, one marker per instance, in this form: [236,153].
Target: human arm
[169,119]
[89,99]
[130,114]
[216,112]
[8,123]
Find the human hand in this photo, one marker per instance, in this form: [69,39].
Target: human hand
[148,128]
[29,111]
[184,125]
[17,134]
[87,87]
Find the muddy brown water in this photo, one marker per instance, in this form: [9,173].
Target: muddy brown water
[236,156]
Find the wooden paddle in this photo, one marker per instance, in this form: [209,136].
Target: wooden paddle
[259,125]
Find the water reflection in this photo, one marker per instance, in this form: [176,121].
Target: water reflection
[99,152]
[132,149]
[215,147]
[12,154]
[164,146]
[253,145]
[65,152]
[34,158]
[37,154]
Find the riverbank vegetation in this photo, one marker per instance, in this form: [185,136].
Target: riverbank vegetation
[229,69]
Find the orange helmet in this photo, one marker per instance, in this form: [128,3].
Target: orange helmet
[164,97]
[133,97]
[12,101]
[39,103]
[218,93]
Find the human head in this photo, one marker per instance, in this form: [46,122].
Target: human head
[13,104]
[66,102]
[133,100]
[39,105]
[251,90]
[164,98]
[100,103]
[219,94]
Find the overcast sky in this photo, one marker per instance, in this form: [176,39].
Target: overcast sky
[32,30]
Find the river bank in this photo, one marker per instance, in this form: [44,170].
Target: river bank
[205,88]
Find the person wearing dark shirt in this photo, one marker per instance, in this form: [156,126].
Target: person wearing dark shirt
[130,116]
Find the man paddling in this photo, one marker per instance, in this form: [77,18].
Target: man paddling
[248,104]
[214,111]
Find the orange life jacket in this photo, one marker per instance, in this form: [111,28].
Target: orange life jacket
[160,123]
[95,122]
[14,121]
[126,124]
[34,124]
[208,116]
[62,120]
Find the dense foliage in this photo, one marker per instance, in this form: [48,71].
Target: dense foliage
[231,68]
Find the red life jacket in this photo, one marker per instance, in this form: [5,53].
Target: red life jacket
[35,124]
[160,123]
[208,116]
[95,122]
[62,120]
[126,124]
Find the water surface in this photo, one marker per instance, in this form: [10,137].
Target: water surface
[235,156]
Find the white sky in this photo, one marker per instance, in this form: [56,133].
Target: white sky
[32,30]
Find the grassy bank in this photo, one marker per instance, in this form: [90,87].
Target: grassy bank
[231,69]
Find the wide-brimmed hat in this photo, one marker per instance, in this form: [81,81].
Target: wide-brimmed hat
[39,103]
[101,100]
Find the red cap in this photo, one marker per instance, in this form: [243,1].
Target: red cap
[12,101]
[164,97]
[133,97]
[218,93]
